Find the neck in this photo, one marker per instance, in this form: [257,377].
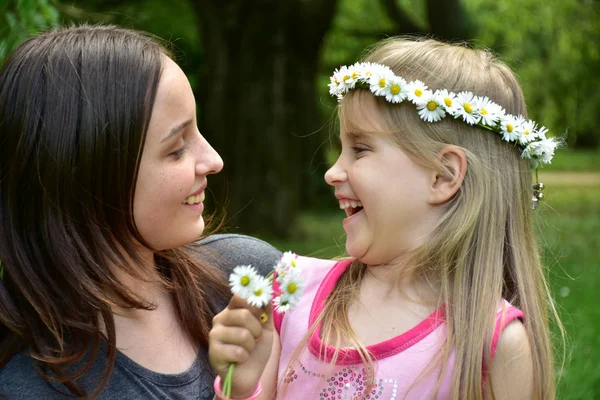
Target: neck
[153,338]
[145,285]
[390,281]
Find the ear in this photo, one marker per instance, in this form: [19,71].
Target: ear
[445,184]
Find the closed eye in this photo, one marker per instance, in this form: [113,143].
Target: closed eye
[359,149]
[177,154]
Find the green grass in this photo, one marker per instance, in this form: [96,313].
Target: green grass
[570,224]
[569,231]
[575,161]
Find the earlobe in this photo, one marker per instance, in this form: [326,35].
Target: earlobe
[447,181]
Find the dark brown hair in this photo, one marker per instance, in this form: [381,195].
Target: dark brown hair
[75,104]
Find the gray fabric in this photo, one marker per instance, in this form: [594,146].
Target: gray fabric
[19,379]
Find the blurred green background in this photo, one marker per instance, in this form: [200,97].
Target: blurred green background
[260,68]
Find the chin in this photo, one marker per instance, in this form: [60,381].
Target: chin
[174,239]
[354,250]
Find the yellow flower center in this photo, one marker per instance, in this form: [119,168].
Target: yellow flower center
[483,111]
[245,281]
[382,83]
[258,292]
[509,128]
[368,73]
[431,106]
[346,77]
[354,75]
[292,288]
[395,89]
[293,263]
[468,108]
[526,133]
[448,101]
[418,92]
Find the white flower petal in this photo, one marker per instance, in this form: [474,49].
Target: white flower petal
[242,280]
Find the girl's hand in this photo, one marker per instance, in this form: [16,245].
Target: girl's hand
[238,336]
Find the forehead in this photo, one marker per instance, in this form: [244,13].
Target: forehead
[360,114]
[174,102]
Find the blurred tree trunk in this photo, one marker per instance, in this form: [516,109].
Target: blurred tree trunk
[447,20]
[258,105]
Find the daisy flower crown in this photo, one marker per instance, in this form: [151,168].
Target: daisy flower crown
[433,106]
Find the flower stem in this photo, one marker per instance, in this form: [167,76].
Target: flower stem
[227,383]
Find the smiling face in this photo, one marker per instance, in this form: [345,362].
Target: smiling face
[373,172]
[176,159]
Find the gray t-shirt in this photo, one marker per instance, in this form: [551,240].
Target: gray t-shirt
[20,380]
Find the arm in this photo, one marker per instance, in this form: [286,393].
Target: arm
[511,372]
[239,337]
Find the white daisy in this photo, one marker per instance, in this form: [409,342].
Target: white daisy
[467,108]
[397,90]
[529,132]
[415,91]
[544,151]
[540,132]
[291,286]
[354,73]
[242,280]
[366,71]
[262,292]
[510,129]
[432,107]
[380,80]
[448,100]
[288,261]
[490,112]
[282,304]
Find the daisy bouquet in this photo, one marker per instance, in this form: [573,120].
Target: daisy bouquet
[283,286]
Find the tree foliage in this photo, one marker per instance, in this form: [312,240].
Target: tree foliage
[20,19]
[553,46]
[260,68]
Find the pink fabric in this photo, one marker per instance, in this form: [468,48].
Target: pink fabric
[504,317]
[402,364]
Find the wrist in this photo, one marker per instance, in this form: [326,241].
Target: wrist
[219,391]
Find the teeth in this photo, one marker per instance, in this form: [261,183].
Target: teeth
[195,199]
[349,204]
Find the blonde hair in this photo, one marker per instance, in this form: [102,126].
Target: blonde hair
[483,248]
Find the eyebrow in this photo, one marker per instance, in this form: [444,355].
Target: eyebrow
[357,135]
[176,129]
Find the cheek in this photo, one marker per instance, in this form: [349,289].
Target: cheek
[159,194]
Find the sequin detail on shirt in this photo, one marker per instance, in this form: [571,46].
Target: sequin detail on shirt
[347,384]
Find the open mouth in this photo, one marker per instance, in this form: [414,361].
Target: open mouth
[351,207]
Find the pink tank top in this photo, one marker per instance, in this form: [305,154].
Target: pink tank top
[399,362]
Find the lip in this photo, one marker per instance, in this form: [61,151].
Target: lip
[198,191]
[341,197]
[347,220]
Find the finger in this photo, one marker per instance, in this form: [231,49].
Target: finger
[238,302]
[233,335]
[221,355]
[242,318]
[266,317]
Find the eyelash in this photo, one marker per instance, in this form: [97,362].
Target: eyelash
[358,149]
[179,153]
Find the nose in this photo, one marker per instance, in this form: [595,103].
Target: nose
[336,174]
[208,160]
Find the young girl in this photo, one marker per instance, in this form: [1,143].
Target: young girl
[444,296]
[102,179]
